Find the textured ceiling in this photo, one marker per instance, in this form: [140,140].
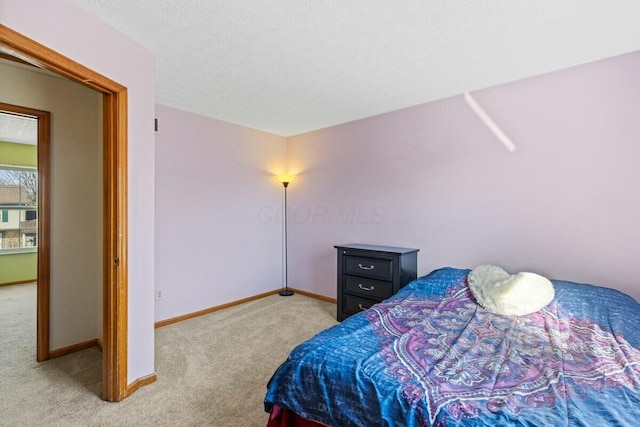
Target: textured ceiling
[291,66]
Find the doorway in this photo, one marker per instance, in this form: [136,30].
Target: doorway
[114,365]
[36,195]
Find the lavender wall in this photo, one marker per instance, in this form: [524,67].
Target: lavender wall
[68,29]
[218,234]
[564,204]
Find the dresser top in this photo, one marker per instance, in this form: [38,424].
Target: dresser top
[365,247]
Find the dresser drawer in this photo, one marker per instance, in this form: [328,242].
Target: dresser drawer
[353,304]
[369,288]
[368,267]
[368,274]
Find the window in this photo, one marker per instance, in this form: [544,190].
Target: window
[19,207]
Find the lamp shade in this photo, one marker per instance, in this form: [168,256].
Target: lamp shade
[286,177]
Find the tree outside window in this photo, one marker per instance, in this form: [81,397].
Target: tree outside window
[18,208]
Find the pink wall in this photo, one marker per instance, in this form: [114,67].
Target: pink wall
[68,29]
[433,177]
[218,236]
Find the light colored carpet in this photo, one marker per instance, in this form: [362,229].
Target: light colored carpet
[212,370]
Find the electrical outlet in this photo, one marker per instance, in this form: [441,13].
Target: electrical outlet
[159,294]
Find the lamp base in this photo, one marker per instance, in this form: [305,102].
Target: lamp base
[286,293]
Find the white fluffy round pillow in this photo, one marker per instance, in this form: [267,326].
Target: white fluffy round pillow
[517,294]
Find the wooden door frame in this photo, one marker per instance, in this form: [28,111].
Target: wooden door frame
[43,163]
[114,358]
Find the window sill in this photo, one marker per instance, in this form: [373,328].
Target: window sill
[18,251]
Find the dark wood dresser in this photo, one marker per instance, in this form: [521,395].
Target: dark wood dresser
[367,274]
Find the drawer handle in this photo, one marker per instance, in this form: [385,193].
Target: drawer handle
[364,267]
[364,288]
[361,307]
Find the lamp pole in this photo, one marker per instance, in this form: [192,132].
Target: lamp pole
[286,292]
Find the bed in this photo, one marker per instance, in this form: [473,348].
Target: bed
[431,356]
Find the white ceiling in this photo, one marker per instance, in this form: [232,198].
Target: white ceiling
[291,66]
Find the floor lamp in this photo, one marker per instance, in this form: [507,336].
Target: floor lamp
[285,179]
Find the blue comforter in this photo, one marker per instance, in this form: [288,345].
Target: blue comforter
[430,356]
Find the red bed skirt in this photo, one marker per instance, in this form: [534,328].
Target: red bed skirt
[281,417]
